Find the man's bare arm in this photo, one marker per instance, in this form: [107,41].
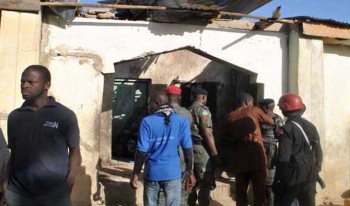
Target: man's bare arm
[209,140]
[74,165]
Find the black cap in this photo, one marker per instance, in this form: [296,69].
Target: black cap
[199,91]
[266,101]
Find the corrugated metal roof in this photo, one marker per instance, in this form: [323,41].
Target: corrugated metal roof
[319,20]
[195,9]
[245,6]
[178,11]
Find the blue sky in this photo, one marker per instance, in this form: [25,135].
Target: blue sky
[326,9]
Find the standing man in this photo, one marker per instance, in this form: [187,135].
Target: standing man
[204,148]
[174,95]
[248,150]
[299,156]
[43,136]
[159,138]
[270,138]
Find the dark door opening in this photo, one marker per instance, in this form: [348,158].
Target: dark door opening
[130,104]
[213,89]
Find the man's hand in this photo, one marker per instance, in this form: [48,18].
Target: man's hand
[192,179]
[134,182]
[189,179]
[70,182]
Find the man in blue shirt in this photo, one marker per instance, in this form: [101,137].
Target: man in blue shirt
[159,138]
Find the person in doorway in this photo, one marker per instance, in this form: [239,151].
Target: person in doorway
[243,129]
[205,149]
[299,156]
[159,138]
[43,136]
[270,138]
[174,95]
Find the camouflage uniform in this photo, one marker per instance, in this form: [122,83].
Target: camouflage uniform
[203,162]
[270,139]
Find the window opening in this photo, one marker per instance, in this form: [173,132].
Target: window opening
[130,105]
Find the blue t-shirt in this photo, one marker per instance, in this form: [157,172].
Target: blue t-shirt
[160,142]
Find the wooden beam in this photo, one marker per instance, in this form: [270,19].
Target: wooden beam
[114,6]
[20,5]
[256,17]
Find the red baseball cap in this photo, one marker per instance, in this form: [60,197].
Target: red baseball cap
[172,89]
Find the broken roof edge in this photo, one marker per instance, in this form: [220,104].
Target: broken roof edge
[319,20]
[325,30]
[191,49]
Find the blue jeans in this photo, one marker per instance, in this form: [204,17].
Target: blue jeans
[171,188]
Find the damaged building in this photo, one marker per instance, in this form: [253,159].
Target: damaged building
[105,69]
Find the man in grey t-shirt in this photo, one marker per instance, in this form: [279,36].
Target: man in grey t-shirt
[43,136]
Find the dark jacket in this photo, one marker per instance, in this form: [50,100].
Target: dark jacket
[297,162]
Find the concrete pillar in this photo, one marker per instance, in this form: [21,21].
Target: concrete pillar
[19,48]
[306,78]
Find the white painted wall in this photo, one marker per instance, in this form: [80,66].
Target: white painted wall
[261,52]
[336,142]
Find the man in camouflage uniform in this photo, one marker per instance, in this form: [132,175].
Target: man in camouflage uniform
[270,139]
[204,149]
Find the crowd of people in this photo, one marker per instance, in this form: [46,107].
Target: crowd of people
[177,146]
[279,160]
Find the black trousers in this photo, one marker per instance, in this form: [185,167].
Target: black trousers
[305,193]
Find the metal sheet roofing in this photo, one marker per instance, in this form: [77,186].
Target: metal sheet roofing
[319,20]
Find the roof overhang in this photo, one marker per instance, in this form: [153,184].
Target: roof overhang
[21,5]
[331,34]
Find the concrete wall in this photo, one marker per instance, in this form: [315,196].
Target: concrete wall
[78,53]
[336,140]
[19,48]
[319,74]
[188,66]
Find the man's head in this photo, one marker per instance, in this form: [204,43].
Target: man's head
[156,100]
[174,93]
[245,100]
[291,104]
[267,105]
[200,95]
[35,82]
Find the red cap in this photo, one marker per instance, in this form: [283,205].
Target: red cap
[172,89]
[290,102]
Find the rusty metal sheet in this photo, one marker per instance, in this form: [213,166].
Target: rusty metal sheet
[20,5]
[326,30]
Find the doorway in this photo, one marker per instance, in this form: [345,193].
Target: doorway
[129,106]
